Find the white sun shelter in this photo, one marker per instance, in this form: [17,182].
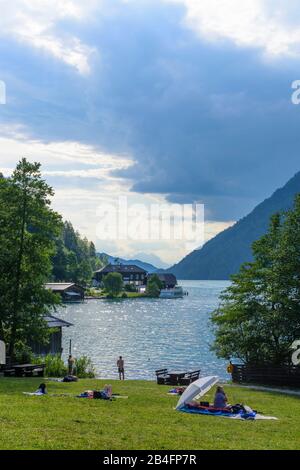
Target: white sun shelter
[197,389]
[2,353]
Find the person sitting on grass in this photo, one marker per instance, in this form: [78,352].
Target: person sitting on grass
[42,390]
[220,400]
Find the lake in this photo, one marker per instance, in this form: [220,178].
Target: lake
[149,333]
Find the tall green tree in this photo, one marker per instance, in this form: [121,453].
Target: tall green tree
[154,286]
[259,315]
[28,228]
[75,258]
[113,284]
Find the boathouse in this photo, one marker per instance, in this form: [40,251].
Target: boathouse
[54,346]
[69,292]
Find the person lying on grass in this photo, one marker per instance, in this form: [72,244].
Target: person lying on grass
[105,394]
[42,390]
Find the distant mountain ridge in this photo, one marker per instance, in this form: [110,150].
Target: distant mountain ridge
[150,268]
[222,255]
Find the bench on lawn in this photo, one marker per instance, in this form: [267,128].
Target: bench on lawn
[162,376]
[9,372]
[189,377]
[38,372]
[25,370]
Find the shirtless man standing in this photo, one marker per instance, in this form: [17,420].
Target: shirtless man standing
[120,365]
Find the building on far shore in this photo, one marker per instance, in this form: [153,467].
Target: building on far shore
[168,280]
[130,273]
[69,292]
[54,346]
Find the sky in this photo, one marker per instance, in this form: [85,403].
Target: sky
[156,101]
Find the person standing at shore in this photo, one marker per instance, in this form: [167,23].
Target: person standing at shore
[120,365]
[71,365]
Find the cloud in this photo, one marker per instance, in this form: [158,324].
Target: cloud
[83,182]
[179,103]
[36,23]
[64,156]
[272,25]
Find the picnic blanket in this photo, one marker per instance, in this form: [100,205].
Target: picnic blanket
[246,414]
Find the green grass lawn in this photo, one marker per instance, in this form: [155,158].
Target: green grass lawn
[146,420]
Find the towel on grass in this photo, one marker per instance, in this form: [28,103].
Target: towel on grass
[246,415]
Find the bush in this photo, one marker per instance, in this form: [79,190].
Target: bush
[84,368]
[55,366]
[130,288]
[154,286]
[124,295]
[93,292]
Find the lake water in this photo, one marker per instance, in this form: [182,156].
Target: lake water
[149,333]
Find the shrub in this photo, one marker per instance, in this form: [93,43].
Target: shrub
[154,286]
[130,288]
[93,292]
[84,368]
[55,366]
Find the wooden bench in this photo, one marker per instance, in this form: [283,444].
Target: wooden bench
[189,377]
[38,372]
[9,372]
[162,376]
[29,370]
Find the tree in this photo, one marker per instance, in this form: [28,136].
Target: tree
[28,228]
[60,262]
[75,259]
[113,284]
[258,318]
[154,286]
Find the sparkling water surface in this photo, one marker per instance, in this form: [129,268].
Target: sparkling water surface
[149,333]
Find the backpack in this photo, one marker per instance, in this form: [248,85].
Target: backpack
[238,408]
[70,378]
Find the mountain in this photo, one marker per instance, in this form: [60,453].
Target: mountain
[222,255]
[152,259]
[141,264]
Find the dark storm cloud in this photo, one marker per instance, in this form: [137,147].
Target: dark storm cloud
[206,122]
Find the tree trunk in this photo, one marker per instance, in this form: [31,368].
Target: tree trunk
[12,342]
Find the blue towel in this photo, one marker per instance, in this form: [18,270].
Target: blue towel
[240,415]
